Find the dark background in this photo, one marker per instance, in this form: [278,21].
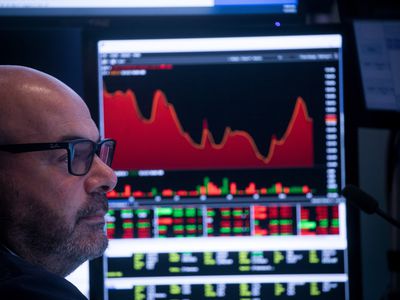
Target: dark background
[55,46]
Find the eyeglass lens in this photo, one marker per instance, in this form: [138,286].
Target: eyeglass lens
[106,152]
[81,157]
[83,153]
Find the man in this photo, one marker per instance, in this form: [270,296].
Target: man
[54,174]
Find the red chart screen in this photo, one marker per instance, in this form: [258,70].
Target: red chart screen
[229,159]
[250,124]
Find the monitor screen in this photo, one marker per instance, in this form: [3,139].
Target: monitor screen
[230,160]
[145,7]
[378,49]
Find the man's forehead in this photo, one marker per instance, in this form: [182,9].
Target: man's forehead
[50,131]
[62,127]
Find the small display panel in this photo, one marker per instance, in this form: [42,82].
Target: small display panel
[378,49]
[145,7]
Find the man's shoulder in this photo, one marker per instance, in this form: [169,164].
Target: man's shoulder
[22,280]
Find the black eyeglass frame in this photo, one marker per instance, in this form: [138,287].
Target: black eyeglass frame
[68,145]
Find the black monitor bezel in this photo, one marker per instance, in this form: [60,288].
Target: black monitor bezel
[89,45]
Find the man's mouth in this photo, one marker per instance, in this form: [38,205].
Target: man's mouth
[93,218]
[98,218]
[95,213]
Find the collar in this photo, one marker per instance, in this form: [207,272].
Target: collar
[8,250]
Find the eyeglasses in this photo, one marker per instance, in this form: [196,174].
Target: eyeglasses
[80,152]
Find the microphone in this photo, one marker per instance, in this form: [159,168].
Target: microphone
[367,203]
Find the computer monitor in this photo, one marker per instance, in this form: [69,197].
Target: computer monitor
[230,159]
[145,7]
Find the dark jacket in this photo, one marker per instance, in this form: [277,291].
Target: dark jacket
[23,281]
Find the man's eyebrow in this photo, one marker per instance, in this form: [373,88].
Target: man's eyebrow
[74,137]
[66,138]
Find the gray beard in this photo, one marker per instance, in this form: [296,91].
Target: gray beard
[40,236]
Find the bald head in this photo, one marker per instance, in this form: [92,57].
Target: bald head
[37,108]
[32,102]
